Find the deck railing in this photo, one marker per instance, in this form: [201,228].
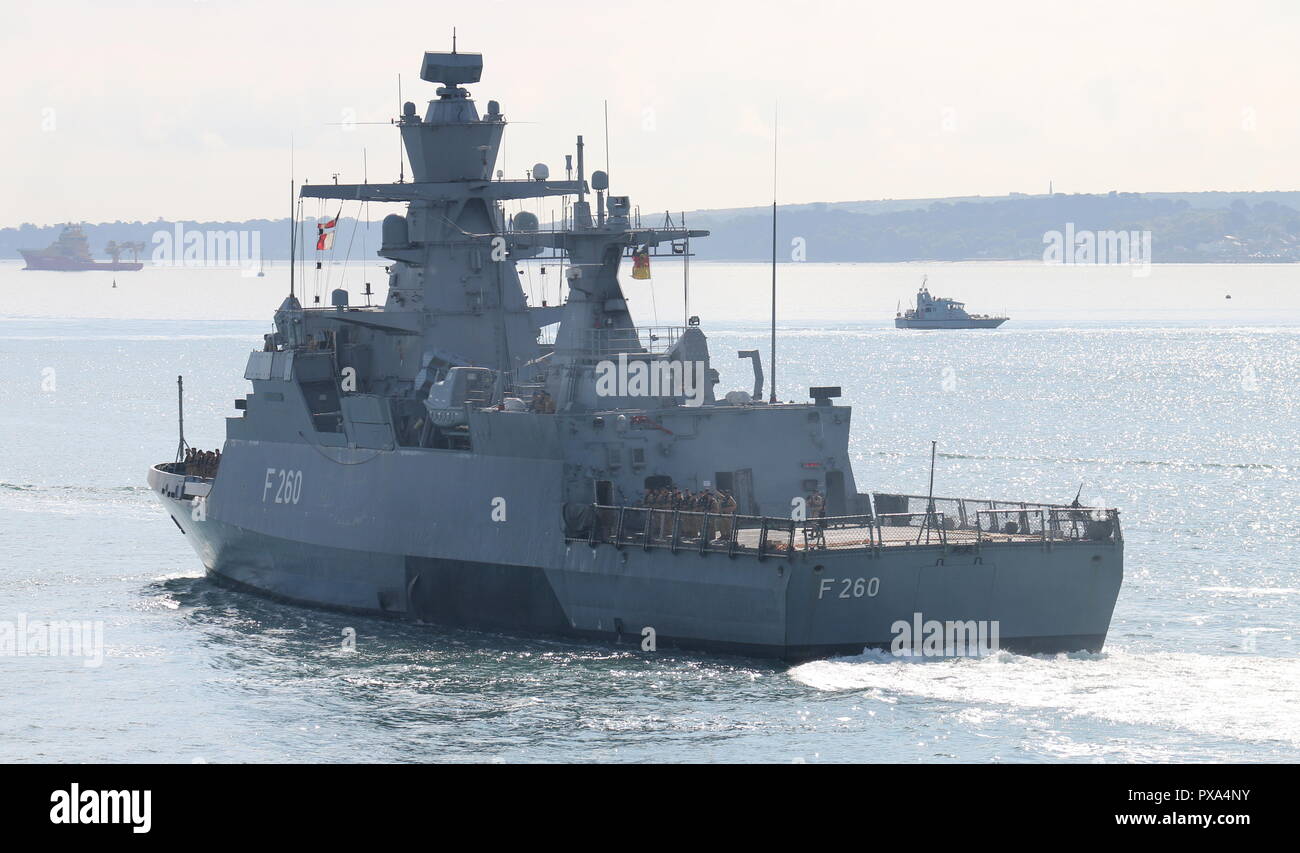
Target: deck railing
[729,533]
[640,339]
[961,509]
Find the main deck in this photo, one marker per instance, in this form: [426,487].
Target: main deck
[949,522]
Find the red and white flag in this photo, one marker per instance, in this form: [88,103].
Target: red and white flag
[324,236]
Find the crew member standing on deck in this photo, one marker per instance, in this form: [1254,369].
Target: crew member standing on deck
[658,504]
[728,509]
[816,514]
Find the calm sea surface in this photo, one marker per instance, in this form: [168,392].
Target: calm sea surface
[1156,392]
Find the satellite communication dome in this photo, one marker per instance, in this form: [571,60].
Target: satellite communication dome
[408,109]
[396,232]
[525,221]
[540,172]
[599,180]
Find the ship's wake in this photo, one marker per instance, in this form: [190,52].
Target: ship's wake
[1239,697]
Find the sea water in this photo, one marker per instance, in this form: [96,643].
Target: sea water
[1148,387]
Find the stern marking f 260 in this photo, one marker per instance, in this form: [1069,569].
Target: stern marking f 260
[850,587]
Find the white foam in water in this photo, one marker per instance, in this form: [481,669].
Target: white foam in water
[1239,697]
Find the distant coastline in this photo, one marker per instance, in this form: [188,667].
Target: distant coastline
[1199,227]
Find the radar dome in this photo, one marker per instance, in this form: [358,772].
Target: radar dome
[395,231]
[540,172]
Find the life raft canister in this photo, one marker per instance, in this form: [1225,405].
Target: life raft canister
[641,263]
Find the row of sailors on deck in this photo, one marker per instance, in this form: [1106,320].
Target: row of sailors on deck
[713,501]
[272,342]
[201,463]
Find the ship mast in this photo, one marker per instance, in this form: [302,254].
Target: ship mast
[293,233]
[180,417]
[775,119]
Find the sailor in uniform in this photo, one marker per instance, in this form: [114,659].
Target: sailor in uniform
[727,508]
[816,516]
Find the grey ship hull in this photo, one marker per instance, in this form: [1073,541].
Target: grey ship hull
[441,459]
[359,550]
[971,323]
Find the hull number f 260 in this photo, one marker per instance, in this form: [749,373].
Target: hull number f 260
[284,486]
[848,587]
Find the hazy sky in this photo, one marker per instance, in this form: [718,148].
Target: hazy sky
[184,109]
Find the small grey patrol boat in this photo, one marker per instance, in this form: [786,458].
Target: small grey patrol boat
[940,312]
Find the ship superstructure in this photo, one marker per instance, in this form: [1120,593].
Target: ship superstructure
[435,459]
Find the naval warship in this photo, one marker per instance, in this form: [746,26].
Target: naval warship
[458,456]
[940,312]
